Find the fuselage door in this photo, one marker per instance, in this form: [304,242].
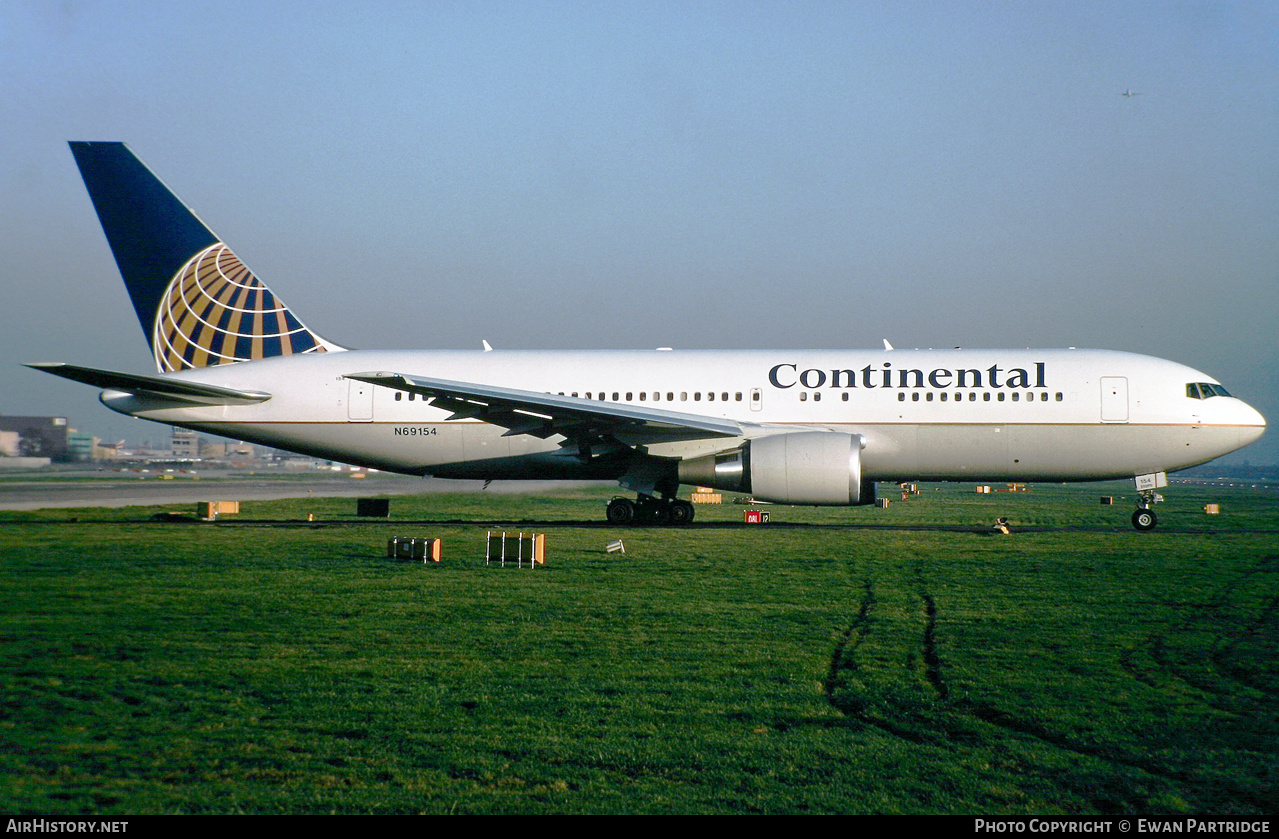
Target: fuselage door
[1114,399]
[359,402]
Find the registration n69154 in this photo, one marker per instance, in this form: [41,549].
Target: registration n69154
[415,430]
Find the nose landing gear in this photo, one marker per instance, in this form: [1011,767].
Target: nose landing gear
[1145,519]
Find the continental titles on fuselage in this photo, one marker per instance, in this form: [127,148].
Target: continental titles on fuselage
[789,375]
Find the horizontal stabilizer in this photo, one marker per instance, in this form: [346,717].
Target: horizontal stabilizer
[161,386]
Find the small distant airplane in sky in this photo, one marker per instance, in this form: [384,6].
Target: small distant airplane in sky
[1129,93]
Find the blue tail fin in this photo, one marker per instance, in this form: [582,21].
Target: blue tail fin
[197,303]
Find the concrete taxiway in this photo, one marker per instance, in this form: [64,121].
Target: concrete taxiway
[34,491]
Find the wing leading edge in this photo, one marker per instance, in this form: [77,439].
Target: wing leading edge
[547,414]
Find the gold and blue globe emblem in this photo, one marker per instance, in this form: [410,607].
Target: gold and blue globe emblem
[216,312]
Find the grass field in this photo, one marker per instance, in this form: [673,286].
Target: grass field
[835,661]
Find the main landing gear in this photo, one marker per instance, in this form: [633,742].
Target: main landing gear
[649,510]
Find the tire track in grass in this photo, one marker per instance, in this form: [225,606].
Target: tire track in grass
[1262,630]
[932,660]
[1202,651]
[849,641]
[844,668]
[991,715]
[844,659]
[1208,619]
[1186,779]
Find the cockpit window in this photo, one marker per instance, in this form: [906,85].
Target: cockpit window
[1205,390]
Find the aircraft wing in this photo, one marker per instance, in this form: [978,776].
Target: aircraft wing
[547,414]
[156,386]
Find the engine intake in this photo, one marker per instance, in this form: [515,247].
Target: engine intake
[802,467]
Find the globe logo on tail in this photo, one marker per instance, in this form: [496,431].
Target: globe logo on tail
[216,311]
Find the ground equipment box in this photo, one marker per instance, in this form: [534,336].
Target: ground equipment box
[518,549]
[212,509]
[414,547]
[373,507]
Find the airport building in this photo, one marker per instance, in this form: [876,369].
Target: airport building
[39,436]
[185,444]
[81,446]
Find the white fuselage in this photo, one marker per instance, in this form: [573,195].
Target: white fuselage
[922,414]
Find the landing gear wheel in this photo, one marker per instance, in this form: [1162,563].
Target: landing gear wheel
[621,511]
[655,512]
[681,512]
[1144,520]
[647,510]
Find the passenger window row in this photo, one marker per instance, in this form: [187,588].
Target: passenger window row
[630,396]
[1000,396]
[656,396]
[1192,390]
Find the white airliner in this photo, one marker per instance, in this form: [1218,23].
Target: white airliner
[813,427]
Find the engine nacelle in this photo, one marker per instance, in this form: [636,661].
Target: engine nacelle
[802,467]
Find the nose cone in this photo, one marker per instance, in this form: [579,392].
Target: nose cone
[1229,424]
[1252,423]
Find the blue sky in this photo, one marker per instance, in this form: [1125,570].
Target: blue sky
[725,175]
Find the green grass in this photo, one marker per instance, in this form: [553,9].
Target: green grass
[872,662]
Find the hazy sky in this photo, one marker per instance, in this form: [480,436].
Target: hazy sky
[614,175]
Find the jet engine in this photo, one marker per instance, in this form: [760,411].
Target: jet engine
[802,467]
